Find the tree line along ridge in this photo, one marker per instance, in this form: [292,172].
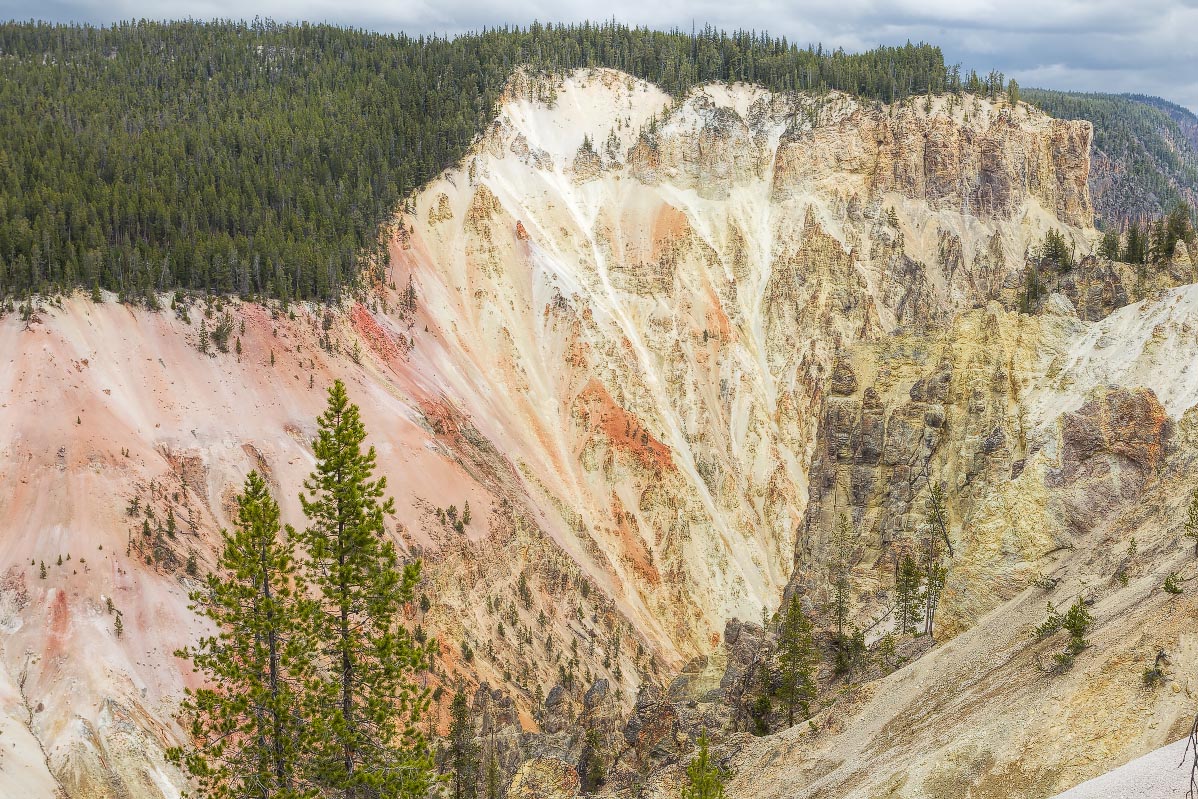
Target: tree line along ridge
[266,159]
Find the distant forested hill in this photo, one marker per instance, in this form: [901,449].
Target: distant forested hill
[1145,157]
[263,159]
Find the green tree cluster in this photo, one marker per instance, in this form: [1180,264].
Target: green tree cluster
[1152,242]
[311,689]
[1057,250]
[1076,621]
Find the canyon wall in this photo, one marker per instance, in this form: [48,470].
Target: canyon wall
[659,345]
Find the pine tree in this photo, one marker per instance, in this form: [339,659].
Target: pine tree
[494,778]
[463,752]
[842,544]
[367,705]
[704,777]
[1191,523]
[1013,92]
[935,572]
[593,767]
[248,726]
[1136,249]
[1109,248]
[797,660]
[908,598]
[1076,622]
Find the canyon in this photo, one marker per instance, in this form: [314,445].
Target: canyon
[659,347]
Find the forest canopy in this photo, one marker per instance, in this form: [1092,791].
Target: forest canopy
[264,159]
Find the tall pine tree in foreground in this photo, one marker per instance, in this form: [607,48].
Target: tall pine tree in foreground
[365,704]
[248,726]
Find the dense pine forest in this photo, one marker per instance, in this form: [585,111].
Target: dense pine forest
[263,159]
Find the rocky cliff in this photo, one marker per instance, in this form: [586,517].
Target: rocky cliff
[658,345]
[645,297]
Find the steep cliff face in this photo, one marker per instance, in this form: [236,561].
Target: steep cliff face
[666,283]
[615,330]
[1145,152]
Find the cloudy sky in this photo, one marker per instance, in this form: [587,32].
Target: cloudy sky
[1148,46]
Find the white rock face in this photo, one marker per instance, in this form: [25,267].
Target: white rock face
[1162,774]
[687,271]
[1150,343]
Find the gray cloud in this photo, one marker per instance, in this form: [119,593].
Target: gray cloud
[1093,45]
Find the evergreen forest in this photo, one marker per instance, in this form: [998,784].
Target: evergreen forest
[264,159]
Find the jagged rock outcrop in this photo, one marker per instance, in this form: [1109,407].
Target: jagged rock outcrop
[544,778]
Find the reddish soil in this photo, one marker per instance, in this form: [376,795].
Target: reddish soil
[622,429]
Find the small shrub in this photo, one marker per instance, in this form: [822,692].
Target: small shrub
[1173,584]
[1062,662]
[1077,621]
[1153,676]
[1050,625]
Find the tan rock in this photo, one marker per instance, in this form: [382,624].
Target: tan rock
[544,778]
